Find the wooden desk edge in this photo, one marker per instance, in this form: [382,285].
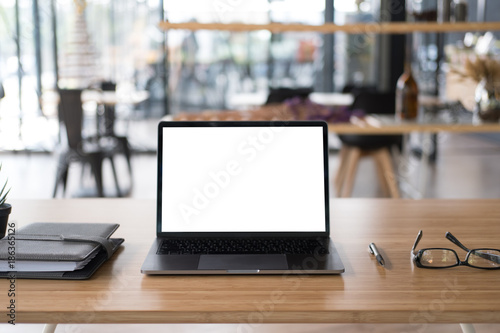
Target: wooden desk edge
[408,128]
[426,316]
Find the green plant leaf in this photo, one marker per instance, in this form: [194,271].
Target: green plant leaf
[3,193]
[4,197]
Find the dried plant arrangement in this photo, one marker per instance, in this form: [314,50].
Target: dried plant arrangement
[481,68]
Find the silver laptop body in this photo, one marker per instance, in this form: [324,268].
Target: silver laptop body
[255,191]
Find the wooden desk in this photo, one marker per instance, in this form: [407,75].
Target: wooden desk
[384,124]
[366,293]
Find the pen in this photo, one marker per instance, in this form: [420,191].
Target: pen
[373,250]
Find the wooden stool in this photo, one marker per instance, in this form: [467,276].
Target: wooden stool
[349,160]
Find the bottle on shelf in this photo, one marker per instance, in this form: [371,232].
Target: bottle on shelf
[407,90]
[422,10]
[459,9]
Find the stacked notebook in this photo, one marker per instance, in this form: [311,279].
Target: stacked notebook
[57,250]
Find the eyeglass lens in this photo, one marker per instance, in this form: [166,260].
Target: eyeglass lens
[438,258]
[484,258]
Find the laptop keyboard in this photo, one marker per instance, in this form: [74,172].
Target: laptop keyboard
[241,246]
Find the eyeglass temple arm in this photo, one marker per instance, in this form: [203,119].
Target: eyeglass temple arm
[488,256]
[491,257]
[455,241]
[419,237]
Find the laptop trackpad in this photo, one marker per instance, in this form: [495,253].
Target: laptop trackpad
[243,261]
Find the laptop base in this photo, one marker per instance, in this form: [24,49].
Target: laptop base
[262,264]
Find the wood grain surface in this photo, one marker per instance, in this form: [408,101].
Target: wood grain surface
[359,28]
[365,293]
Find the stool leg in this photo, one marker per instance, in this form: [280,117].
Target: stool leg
[340,175]
[379,164]
[351,168]
[389,174]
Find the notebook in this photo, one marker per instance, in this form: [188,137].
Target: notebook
[246,197]
[57,250]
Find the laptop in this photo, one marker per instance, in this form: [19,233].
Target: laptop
[242,197]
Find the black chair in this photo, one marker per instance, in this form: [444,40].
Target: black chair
[106,119]
[86,152]
[106,128]
[355,146]
[279,95]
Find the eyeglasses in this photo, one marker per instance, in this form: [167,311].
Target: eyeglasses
[445,258]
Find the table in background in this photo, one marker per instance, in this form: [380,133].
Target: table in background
[105,122]
[115,97]
[365,293]
[252,100]
[387,124]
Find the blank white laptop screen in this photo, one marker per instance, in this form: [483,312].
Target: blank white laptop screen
[243,179]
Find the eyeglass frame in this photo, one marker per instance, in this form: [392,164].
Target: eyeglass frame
[417,255]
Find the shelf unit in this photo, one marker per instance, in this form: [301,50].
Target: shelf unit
[375,27]
[395,28]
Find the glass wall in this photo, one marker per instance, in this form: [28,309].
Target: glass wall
[123,45]
[75,43]
[20,60]
[355,54]
[69,43]
[220,69]
[213,69]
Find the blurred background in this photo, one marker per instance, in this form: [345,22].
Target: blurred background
[78,44]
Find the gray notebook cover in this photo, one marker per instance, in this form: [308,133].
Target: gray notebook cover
[58,241]
[62,241]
